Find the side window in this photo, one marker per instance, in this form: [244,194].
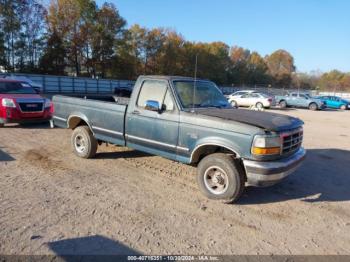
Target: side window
[152,90]
[255,95]
[294,95]
[245,96]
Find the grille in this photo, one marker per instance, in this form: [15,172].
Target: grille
[292,141]
[31,107]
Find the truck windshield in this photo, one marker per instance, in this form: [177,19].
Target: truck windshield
[15,88]
[206,94]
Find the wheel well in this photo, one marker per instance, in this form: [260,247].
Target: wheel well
[206,150]
[76,121]
[313,103]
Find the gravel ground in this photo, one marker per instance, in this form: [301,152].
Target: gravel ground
[127,202]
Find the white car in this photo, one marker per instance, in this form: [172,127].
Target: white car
[247,99]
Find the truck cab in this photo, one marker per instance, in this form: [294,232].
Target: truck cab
[20,103]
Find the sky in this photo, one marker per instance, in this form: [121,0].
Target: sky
[315,32]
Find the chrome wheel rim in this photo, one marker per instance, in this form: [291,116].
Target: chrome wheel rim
[259,105]
[233,104]
[216,180]
[80,144]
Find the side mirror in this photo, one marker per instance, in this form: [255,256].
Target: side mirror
[152,105]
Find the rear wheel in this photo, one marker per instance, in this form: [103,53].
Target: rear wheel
[283,104]
[343,107]
[259,105]
[2,125]
[83,142]
[313,107]
[220,177]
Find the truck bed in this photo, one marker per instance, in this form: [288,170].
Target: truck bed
[97,112]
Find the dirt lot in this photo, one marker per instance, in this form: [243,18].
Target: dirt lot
[127,202]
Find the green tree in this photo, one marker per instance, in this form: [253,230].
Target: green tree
[54,56]
[257,70]
[238,72]
[171,54]
[107,35]
[332,81]
[281,67]
[10,16]
[33,29]
[68,19]
[2,51]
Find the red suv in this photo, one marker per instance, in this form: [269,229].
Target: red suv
[20,103]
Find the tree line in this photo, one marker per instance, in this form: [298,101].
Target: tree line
[78,37]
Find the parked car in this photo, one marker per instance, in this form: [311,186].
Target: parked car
[239,93]
[302,100]
[36,86]
[259,100]
[335,102]
[19,103]
[231,148]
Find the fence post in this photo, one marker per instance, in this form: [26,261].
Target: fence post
[59,84]
[44,84]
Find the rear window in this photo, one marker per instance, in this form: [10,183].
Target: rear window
[264,95]
[15,88]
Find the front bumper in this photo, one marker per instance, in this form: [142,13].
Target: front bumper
[25,121]
[271,172]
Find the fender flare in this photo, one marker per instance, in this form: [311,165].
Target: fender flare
[212,144]
[81,117]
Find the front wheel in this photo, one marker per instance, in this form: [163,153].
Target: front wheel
[283,104]
[83,142]
[343,107]
[234,104]
[220,177]
[313,107]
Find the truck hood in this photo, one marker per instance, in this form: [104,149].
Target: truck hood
[21,96]
[268,121]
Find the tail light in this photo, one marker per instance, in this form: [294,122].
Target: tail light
[270,99]
[52,108]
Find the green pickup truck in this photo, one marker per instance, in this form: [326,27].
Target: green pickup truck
[190,121]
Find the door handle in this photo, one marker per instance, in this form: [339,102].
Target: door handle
[136,112]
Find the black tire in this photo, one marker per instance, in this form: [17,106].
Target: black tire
[313,106]
[2,125]
[234,104]
[343,107]
[283,104]
[228,170]
[259,105]
[83,142]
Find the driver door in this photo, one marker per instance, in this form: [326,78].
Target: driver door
[155,132]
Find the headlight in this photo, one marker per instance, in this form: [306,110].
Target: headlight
[47,103]
[7,102]
[266,145]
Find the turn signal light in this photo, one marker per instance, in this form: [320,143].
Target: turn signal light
[266,151]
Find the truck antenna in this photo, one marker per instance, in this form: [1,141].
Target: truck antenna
[195,83]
